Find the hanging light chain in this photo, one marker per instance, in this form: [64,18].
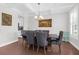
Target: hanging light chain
[38,10]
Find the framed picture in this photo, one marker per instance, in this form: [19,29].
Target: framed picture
[45,23]
[6,19]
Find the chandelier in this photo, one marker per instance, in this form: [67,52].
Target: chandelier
[38,16]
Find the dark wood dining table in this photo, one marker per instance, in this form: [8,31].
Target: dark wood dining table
[53,36]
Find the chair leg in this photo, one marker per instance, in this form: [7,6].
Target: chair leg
[24,44]
[18,42]
[37,48]
[59,48]
[44,49]
[51,48]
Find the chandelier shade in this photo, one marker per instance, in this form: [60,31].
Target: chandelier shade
[38,16]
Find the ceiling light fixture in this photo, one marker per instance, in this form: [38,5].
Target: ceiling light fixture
[38,16]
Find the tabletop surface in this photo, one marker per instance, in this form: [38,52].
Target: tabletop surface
[53,35]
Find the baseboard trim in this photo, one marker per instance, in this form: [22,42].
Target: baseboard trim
[74,45]
[8,43]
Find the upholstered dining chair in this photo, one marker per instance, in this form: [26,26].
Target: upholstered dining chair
[58,40]
[47,31]
[41,40]
[23,34]
[30,38]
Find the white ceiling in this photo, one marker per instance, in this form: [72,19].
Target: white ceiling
[16,7]
[50,7]
[33,8]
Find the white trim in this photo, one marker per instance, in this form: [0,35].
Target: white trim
[8,43]
[74,45]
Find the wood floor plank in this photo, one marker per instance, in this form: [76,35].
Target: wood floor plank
[18,49]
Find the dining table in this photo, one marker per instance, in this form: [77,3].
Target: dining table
[51,37]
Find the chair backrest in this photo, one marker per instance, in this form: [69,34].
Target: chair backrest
[60,35]
[41,38]
[30,37]
[42,31]
[47,31]
[23,33]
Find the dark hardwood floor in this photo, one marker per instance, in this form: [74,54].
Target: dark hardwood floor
[18,49]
